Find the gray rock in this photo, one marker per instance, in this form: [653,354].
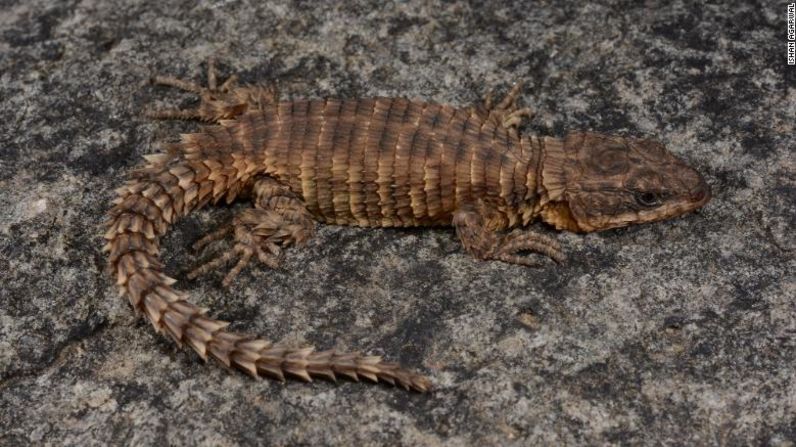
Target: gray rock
[677,332]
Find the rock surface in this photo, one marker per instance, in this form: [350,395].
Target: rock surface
[677,332]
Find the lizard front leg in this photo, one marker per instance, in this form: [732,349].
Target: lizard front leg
[479,232]
[278,219]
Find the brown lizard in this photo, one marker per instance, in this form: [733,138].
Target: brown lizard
[378,162]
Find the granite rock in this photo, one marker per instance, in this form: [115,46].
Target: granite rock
[669,333]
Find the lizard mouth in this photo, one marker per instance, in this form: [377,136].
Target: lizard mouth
[637,217]
[676,206]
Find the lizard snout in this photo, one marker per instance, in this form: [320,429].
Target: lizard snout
[701,193]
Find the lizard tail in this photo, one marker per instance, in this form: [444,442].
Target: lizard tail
[167,188]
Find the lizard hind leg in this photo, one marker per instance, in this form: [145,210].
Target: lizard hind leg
[279,219]
[217,102]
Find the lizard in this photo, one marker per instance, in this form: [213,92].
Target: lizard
[369,162]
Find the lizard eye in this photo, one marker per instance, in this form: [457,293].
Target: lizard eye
[647,198]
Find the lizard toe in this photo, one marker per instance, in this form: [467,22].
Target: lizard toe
[517,242]
[217,102]
[249,241]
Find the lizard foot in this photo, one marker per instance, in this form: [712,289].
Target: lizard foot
[520,241]
[473,226]
[225,101]
[254,233]
[506,112]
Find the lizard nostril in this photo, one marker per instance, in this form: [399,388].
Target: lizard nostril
[701,193]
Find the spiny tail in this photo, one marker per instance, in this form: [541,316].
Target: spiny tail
[194,172]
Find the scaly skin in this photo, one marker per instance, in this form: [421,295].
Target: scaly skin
[379,162]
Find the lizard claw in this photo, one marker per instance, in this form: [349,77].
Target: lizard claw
[211,237]
[256,232]
[506,112]
[247,244]
[508,103]
[517,242]
[188,86]
[488,244]
[244,253]
[514,119]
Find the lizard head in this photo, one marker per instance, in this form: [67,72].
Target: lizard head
[592,182]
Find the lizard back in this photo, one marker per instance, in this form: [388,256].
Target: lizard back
[391,161]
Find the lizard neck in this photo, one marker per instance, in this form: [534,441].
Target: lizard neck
[551,183]
[526,194]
